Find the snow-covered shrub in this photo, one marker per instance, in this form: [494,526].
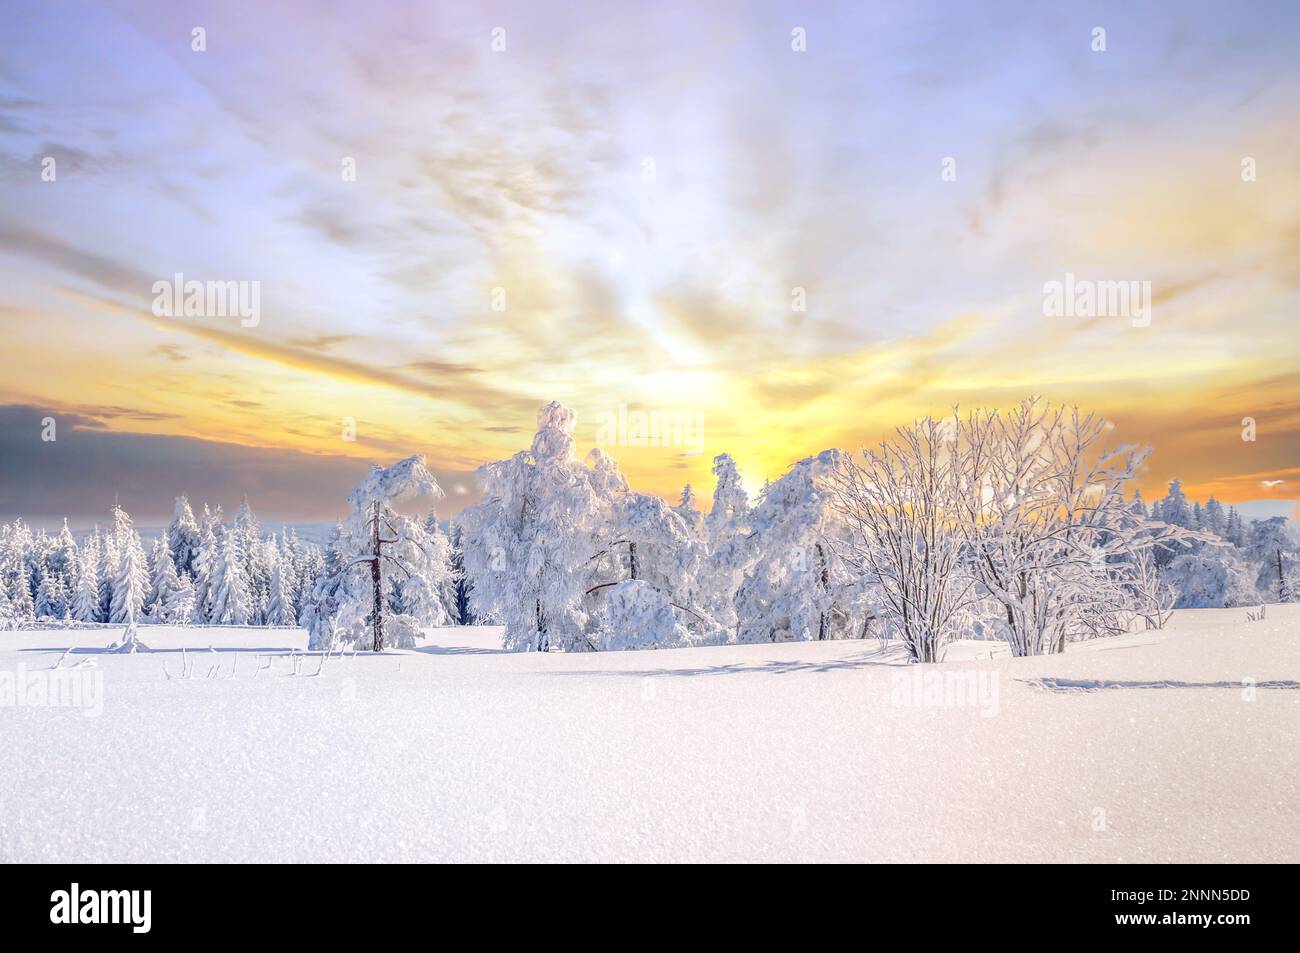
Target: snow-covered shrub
[637,615]
[1211,578]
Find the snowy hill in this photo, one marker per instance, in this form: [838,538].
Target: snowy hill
[1140,748]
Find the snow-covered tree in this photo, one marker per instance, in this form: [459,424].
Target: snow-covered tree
[529,539]
[1273,554]
[62,560]
[50,600]
[641,538]
[428,594]
[1152,596]
[253,559]
[1214,520]
[1174,508]
[462,614]
[798,587]
[131,583]
[205,568]
[228,584]
[1212,577]
[183,536]
[687,510]
[85,597]
[8,617]
[725,531]
[280,608]
[164,581]
[1236,529]
[180,604]
[389,571]
[109,558]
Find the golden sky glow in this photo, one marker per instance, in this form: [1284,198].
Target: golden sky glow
[647,195]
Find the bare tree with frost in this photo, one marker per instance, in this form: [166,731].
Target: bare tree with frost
[1047,522]
[902,531]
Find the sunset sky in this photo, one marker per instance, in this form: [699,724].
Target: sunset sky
[646,184]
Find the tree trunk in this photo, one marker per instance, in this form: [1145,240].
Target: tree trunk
[631,558]
[824,582]
[378,610]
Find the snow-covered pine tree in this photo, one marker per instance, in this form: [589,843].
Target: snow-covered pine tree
[1236,528]
[257,573]
[109,558]
[279,605]
[164,581]
[131,584]
[228,584]
[180,606]
[24,607]
[183,536]
[1288,586]
[429,594]
[691,516]
[1214,520]
[85,596]
[205,567]
[47,604]
[8,617]
[463,614]
[63,558]
[308,565]
[1174,508]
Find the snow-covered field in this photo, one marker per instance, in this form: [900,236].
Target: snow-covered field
[1142,748]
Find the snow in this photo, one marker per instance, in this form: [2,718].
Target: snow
[1141,748]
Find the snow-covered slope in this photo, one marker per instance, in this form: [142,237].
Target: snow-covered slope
[1142,748]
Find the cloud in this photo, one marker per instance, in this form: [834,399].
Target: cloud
[116,277]
[79,473]
[171,351]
